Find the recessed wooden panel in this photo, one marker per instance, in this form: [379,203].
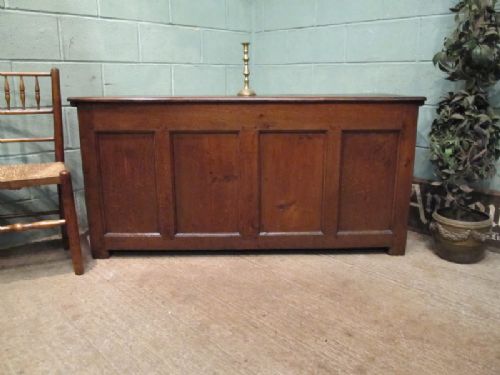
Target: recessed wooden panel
[368,170]
[292,166]
[128,182]
[206,178]
[268,173]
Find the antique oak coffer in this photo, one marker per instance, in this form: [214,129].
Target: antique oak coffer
[188,173]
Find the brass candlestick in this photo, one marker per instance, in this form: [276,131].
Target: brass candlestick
[246,90]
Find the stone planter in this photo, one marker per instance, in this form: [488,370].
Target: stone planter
[460,241]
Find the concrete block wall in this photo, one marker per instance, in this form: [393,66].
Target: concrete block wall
[110,47]
[183,47]
[356,47]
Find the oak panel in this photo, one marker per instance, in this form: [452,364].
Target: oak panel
[367,179]
[206,180]
[128,182]
[346,165]
[233,116]
[292,166]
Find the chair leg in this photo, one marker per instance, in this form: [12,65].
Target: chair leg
[64,232]
[71,222]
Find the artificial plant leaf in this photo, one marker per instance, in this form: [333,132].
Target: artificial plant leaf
[457,116]
[465,136]
[466,188]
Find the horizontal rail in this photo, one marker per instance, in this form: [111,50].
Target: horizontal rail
[25,74]
[20,111]
[19,140]
[29,214]
[44,224]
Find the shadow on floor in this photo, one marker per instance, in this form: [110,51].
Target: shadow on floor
[41,259]
[262,252]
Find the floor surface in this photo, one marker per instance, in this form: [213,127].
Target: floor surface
[260,313]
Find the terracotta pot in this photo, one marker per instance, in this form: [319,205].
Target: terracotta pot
[460,241]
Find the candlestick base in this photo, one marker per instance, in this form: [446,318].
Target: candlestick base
[246,92]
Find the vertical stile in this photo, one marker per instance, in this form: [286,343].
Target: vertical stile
[57,111]
[7,92]
[22,92]
[37,93]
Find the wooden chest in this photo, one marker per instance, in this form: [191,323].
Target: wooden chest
[187,173]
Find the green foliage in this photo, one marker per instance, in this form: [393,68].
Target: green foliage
[472,53]
[465,138]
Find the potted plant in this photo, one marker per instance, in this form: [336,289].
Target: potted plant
[465,136]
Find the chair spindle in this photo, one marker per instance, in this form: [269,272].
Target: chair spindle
[22,92]
[7,92]
[37,93]
[44,224]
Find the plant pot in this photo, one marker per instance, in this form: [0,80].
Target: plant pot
[460,234]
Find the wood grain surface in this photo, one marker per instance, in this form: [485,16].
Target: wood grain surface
[183,173]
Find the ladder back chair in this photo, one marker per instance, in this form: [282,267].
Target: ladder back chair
[17,176]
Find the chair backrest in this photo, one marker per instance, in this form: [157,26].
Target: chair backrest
[55,110]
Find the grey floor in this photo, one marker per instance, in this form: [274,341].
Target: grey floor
[268,313]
